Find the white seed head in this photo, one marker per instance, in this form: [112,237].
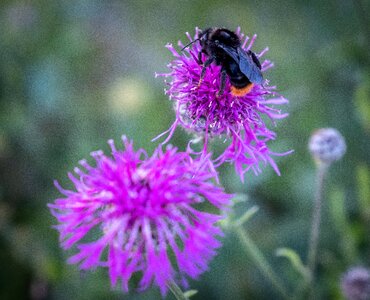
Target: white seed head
[327,145]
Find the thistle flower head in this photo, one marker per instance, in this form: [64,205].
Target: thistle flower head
[355,284]
[327,145]
[140,209]
[202,111]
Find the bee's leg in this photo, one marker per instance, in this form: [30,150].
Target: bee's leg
[204,69]
[222,83]
[200,62]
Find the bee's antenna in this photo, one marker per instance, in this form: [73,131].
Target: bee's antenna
[190,44]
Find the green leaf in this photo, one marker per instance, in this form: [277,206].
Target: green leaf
[295,261]
[239,198]
[190,293]
[246,216]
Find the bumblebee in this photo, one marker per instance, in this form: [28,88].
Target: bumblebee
[223,47]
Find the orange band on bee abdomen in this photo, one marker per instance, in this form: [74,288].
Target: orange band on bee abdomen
[239,92]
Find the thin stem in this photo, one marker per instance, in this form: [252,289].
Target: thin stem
[316,220]
[252,250]
[176,291]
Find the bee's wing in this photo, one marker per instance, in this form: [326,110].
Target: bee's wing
[230,51]
[249,67]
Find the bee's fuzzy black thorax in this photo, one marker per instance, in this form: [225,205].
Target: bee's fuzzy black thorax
[223,47]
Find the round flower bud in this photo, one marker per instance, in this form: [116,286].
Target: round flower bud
[327,145]
[355,284]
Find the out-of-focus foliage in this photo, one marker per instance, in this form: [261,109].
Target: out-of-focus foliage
[75,73]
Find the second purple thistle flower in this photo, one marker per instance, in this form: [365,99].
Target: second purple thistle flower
[203,110]
[138,214]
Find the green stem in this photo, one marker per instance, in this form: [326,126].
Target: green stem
[316,220]
[252,250]
[176,291]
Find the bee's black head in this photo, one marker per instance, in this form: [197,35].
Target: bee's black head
[224,36]
[214,36]
[204,36]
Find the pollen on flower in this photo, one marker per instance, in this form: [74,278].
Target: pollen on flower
[139,207]
[235,115]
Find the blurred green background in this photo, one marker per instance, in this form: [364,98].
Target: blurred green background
[74,74]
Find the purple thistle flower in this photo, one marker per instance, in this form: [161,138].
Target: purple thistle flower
[139,208]
[201,111]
